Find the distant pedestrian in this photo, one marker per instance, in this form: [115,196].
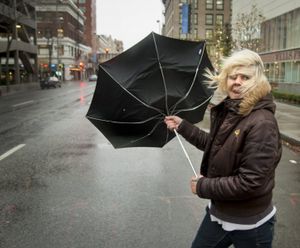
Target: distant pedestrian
[241,152]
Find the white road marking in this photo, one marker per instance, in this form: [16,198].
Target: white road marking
[11,151]
[23,103]
[293,161]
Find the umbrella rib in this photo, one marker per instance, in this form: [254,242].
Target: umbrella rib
[145,136]
[194,79]
[125,122]
[136,98]
[193,108]
[162,74]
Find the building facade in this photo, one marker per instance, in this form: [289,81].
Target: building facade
[196,19]
[18,42]
[279,33]
[108,48]
[61,47]
[88,7]
[281,48]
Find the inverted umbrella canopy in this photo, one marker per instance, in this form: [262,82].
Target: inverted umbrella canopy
[135,90]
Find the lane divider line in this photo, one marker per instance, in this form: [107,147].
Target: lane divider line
[23,103]
[11,151]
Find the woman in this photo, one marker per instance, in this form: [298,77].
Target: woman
[241,152]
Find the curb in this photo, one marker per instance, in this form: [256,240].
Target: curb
[291,141]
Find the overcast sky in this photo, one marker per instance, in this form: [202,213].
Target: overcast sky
[128,20]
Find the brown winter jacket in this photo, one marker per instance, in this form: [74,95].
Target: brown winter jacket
[239,160]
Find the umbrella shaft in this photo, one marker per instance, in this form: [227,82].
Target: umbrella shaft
[186,154]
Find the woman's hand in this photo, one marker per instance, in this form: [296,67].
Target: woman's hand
[193,182]
[172,122]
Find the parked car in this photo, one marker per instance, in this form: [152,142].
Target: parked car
[93,77]
[49,82]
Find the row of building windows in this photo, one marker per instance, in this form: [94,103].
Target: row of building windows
[209,19]
[195,35]
[280,36]
[62,50]
[282,32]
[209,34]
[209,4]
[284,72]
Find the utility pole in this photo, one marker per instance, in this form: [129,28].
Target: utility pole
[15,37]
[57,34]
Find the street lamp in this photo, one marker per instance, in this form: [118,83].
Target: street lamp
[95,51]
[158,22]
[50,49]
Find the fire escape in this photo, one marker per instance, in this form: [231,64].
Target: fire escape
[18,26]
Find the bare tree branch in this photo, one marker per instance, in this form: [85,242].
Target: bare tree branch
[247,29]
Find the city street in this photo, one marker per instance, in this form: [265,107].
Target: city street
[63,185]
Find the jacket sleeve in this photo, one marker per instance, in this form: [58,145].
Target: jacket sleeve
[193,134]
[256,169]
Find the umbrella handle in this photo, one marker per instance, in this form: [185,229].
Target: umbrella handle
[187,156]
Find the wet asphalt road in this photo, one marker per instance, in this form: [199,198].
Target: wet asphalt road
[66,186]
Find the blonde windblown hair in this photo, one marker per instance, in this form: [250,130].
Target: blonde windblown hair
[248,63]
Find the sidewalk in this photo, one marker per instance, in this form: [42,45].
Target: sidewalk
[13,88]
[288,117]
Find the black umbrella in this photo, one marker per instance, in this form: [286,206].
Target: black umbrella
[135,90]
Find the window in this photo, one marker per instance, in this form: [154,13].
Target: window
[48,33]
[195,3]
[209,19]
[209,4]
[208,34]
[61,50]
[40,33]
[195,31]
[220,5]
[195,18]
[219,19]
[183,36]
[48,16]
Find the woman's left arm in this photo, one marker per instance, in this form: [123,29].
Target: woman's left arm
[260,156]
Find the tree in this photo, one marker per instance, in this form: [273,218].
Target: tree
[247,29]
[227,42]
[222,42]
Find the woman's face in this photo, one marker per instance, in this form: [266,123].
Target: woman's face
[234,82]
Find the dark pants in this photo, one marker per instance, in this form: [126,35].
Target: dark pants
[211,234]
